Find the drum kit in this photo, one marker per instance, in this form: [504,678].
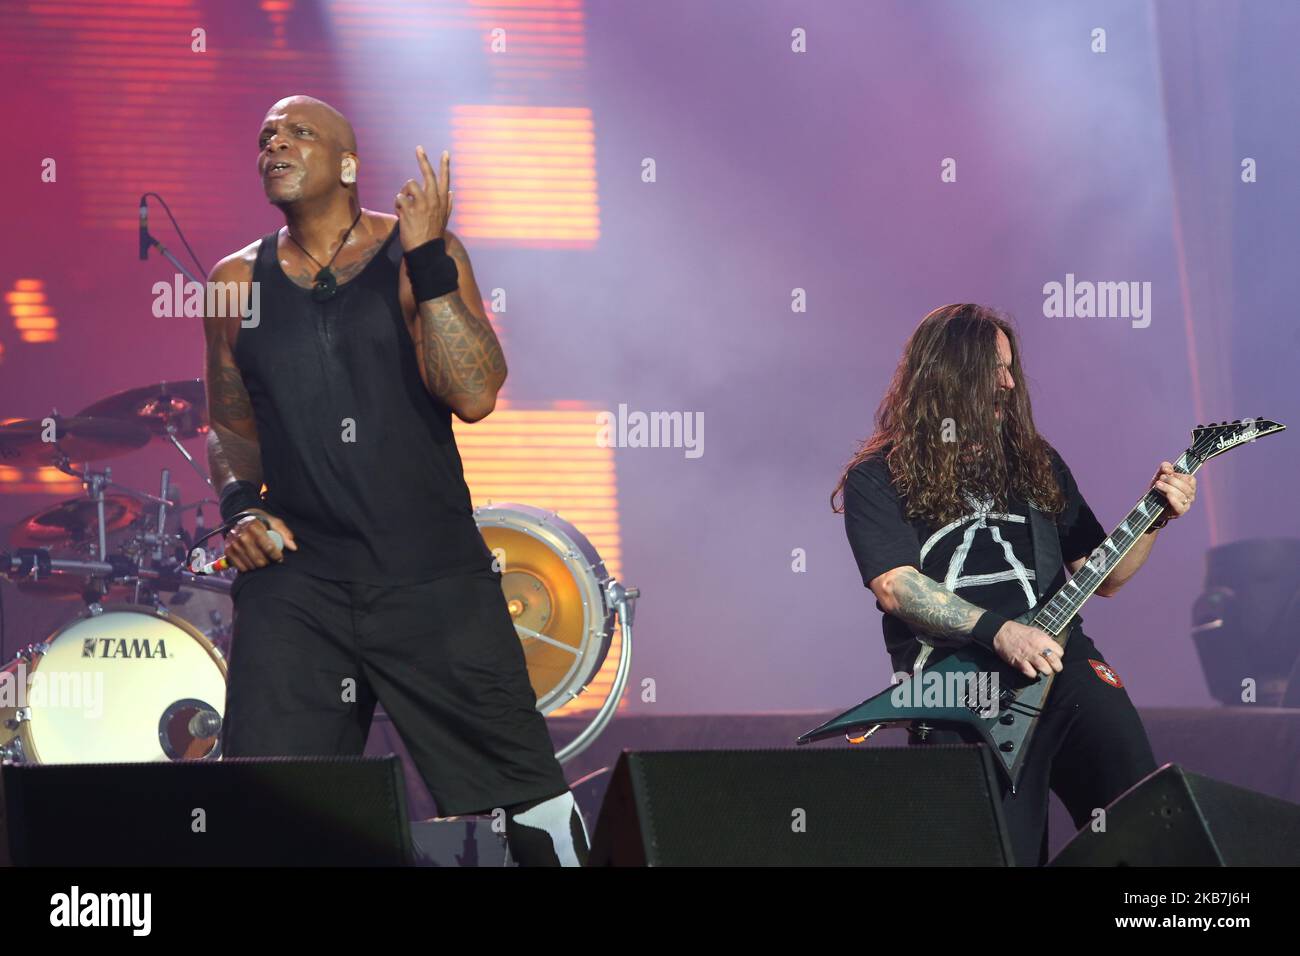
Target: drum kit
[138,671]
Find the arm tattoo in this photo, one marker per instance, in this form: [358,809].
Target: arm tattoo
[229,400]
[233,449]
[931,608]
[461,354]
[232,457]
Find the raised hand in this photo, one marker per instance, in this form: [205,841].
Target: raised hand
[424,208]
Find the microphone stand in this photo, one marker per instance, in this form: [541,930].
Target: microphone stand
[157,244]
[151,242]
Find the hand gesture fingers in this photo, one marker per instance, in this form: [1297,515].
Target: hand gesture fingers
[410,196]
[423,207]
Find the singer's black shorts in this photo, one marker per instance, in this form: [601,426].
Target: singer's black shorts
[442,657]
[1089,747]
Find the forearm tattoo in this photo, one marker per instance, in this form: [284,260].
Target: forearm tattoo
[461,353]
[931,608]
[232,457]
[228,401]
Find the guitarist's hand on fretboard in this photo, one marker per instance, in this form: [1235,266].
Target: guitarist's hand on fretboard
[1027,649]
[1179,490]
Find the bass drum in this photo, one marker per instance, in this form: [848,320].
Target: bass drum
[122,683]
[204,601]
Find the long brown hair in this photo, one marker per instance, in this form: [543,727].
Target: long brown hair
[938,410]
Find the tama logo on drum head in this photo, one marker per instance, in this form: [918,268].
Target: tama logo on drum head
[139,648]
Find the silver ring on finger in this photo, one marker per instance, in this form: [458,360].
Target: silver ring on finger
[1048,652]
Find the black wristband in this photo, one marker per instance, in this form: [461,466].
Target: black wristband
[239,496]
[432,272]
[986,628]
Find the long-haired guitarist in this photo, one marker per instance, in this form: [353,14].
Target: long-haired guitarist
[940,505]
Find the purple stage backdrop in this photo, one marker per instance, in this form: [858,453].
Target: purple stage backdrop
[782,190]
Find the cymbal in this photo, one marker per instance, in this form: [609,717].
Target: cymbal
[74,521]
[22,442]
[182,404]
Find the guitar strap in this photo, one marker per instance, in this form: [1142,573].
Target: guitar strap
[1047,550]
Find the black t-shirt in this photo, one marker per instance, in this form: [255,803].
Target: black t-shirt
[986,557]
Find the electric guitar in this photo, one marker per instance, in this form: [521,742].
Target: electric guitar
[972,687]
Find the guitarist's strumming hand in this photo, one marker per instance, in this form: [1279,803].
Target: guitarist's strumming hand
[1027,649]
[930,608]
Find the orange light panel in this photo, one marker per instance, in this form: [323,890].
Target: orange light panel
[526,175]
[30,312]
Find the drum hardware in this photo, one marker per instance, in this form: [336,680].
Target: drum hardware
[564,604]
[12,752]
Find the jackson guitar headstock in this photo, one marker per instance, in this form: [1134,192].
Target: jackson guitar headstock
[1209,441]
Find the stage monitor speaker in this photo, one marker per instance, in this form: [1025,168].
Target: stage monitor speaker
[1176,818]
[869,806]
[278,811]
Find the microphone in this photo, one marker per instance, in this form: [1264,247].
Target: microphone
[222,563]
[188,730]
[144,227]
[204,724]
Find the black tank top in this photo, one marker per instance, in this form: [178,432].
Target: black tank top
[358,458]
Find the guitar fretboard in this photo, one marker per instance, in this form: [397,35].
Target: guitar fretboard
[1057,613]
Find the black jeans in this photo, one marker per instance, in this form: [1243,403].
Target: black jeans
[1089,747]
[311,657]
